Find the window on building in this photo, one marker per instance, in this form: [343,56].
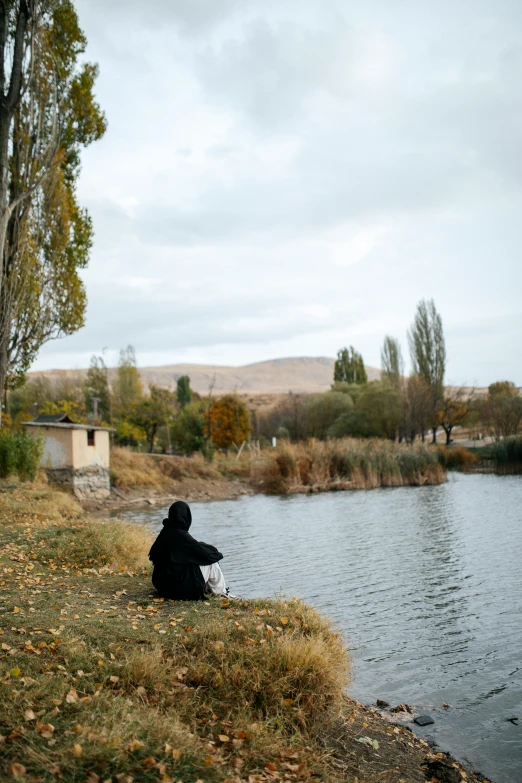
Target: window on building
[90,437]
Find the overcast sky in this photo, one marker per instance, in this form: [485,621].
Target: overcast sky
[286,178]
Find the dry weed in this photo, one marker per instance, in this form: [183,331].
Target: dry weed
[347,463]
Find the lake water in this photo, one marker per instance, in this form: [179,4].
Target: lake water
[424,583]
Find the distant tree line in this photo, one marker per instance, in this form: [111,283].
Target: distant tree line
[396,407]
[153,419]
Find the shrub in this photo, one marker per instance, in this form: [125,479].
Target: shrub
[458,458]
[20,454]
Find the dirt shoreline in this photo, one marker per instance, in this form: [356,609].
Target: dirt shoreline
[195,491]
[401,754]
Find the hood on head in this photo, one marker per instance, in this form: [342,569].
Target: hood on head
[179,516]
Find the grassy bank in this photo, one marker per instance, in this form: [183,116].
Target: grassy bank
[134,474]
[100,676]
[102,681]
[347,464]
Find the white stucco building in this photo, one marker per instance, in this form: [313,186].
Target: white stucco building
[75,454]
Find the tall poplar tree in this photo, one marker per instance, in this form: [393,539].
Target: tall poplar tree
[349,367]
[47,114]
[392,363]
[428,353]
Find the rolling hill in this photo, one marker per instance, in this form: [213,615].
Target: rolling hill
[276,376]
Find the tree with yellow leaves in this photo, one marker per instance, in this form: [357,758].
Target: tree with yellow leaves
[227,422]
[452,412]
[47,114]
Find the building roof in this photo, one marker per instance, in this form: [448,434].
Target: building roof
[54,417]
[65,425]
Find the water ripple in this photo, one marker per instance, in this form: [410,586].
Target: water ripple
[426,585]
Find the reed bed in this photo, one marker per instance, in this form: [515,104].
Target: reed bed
[347,463]
[507,455]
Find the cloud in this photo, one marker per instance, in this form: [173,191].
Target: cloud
[294,177]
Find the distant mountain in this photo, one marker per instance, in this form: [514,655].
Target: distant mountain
[276,376]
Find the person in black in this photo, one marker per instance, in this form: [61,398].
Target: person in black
[184,568]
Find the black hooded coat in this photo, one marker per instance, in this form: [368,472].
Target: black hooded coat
[177,557]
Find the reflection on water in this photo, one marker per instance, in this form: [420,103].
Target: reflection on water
[424,583]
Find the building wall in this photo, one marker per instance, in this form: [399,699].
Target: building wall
[84,456]
[69,460]
[58,446]
[88,483]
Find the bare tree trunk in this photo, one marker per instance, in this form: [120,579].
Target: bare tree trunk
[151,442]
[8,103]
[4,341]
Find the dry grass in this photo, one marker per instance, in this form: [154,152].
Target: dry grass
[131,470]
[99,678]
[96,543]
[37,502]
[348,463]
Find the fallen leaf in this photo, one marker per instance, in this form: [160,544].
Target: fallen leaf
[77,749]
[284,620]
[224,738]
[46,730]
[15,770]
[93,778]
[135,745]
[114,678]
[15,672]
[369,741]
[71,697]
[29,715]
